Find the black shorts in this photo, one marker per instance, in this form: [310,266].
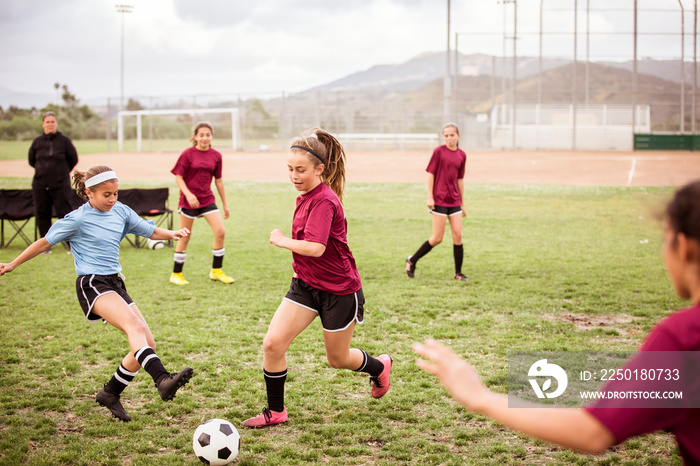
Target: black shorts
[198,212]
[91,287]
[446,211]
[337,312]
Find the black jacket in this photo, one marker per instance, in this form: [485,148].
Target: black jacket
[53,156]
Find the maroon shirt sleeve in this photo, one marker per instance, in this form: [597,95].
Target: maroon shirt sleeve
[182,164]
[318,224]
[626,422]
[218,167]
[434,163]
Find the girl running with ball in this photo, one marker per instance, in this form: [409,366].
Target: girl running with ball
[325,282]
[445,199]
[95,232]
[193,172]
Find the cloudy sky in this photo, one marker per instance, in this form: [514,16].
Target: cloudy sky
[206,47]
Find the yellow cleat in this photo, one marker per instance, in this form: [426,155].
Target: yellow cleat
[178,279]
[218,274]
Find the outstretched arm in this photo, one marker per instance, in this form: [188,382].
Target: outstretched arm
[163,234]
[305,248]
[33,250]
[568,427]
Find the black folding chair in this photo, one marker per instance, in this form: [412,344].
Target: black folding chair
[148,203]
[17,208]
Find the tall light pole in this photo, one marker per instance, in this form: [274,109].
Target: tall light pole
[447,87]
[122,9]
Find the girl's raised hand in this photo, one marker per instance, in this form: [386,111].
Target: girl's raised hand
[456,374]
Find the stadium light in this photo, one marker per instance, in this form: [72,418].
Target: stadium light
[122,9]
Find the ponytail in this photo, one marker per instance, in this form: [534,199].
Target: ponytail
[79,179]
[323,147]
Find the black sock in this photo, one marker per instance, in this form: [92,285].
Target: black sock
[218,260]
[274,381]
[151,362]
[422,251]
[120,380]
[372,366]
[179,261]
[458,251]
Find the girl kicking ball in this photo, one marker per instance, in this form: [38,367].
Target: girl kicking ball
[193,172]
[608,422]
[445,199]
[325,283]
[95,232]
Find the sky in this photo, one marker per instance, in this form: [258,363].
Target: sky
[239,47]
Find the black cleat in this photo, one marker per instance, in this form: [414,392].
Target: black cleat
[111,402]
[170,384]
[410,267]
[461,277]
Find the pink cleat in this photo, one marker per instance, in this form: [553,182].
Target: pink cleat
[380,384]
[266,418]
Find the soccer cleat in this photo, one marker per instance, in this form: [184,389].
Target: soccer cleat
[170,384]
[266,418]
[219,275]
[380,384]
[461,277]
[410,267]
[112,403]
[178,279]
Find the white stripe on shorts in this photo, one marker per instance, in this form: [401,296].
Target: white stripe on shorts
[357,308]
[300,305]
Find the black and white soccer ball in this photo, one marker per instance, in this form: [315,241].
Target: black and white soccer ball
[216,442]
[155,243]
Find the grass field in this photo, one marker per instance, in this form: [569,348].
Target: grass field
[551,268]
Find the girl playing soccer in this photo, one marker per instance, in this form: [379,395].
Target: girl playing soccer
[608,422]
[445,199]
[193,173]
[95,232]
[325,283]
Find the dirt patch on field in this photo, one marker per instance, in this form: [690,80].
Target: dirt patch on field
[522,167]
[591,322]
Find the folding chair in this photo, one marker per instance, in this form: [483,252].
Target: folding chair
[148,203]
[17,208]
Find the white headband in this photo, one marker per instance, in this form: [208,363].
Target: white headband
[100,177]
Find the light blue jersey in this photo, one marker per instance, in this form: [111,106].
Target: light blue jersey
[95,236]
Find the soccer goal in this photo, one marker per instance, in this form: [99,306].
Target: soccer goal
[177,124]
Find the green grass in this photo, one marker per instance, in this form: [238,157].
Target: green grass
[16,150]
[537,256]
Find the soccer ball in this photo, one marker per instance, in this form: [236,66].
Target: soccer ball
[155,243]
[216,442]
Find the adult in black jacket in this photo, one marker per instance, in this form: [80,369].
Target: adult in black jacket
[53,156]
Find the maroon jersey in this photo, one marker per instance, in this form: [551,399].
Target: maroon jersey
[197,169]
[448,166]
[678,332]
[319,218]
